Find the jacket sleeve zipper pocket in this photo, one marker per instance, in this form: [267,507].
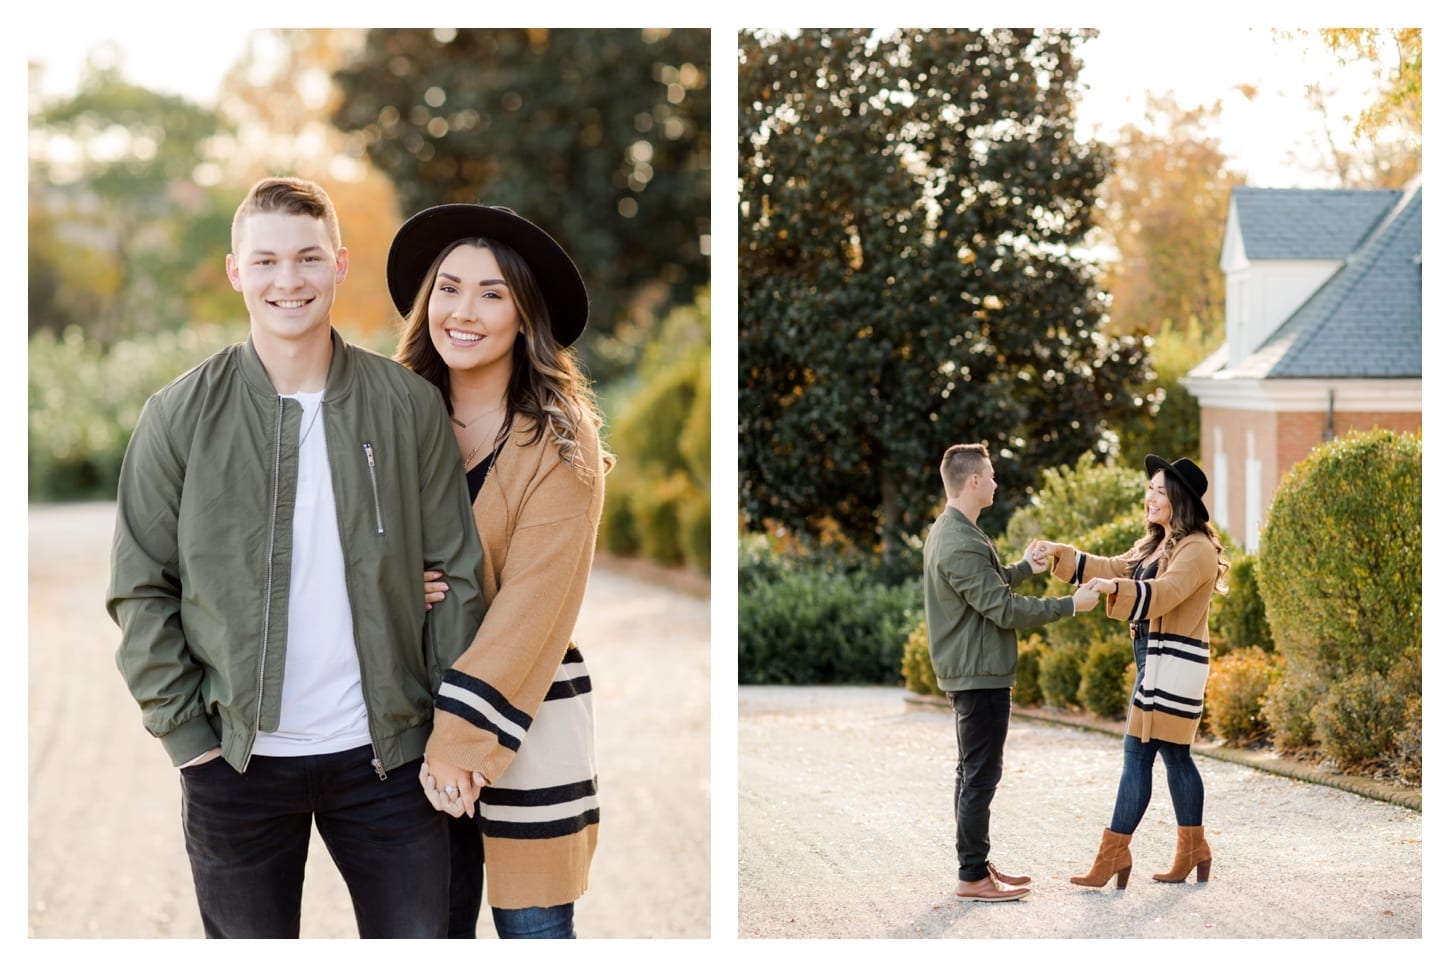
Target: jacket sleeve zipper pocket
[373,476]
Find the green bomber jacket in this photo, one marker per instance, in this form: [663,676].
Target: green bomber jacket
[971,612]
[201,555]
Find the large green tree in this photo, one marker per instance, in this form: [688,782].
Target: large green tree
[601,136]
[912,206]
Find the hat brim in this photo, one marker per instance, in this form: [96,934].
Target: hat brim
[1153,463]
[420,239]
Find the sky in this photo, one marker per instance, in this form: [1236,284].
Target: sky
[1119,66]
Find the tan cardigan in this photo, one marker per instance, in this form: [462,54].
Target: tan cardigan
[537,518]
[1169,702]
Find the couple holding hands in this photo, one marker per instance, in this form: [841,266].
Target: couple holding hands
[1161,587]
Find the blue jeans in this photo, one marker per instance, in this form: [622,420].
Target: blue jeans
[982,716]
[465,895]
[247,835]
[1135,786]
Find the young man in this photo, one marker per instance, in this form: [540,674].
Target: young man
[971,617]
[277,508]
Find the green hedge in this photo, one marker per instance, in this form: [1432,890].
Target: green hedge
[805,622]
[1340,557]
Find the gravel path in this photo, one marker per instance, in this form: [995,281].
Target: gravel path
[846,830]
[105,851]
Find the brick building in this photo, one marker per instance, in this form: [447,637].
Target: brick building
[1322,336]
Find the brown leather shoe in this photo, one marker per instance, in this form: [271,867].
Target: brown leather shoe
[987,890]
[1005,878]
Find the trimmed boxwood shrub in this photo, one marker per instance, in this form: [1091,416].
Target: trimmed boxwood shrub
[1237,686]
[916,670]
[1236,620]
[1359,720]
[1061,675]
[1101,691]
[1288,706]
[804,624]
[1339,566]
[1030,652]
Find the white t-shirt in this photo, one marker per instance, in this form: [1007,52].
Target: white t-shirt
[322,701]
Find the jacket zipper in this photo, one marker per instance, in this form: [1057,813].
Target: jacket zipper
[377,763]
[373,476]
[271,547]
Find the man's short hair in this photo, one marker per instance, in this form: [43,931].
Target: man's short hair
[294,196]
[960,462]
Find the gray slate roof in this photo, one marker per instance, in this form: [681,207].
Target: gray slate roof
[1297,223]
[1364,322]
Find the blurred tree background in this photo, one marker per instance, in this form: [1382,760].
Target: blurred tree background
[601,136]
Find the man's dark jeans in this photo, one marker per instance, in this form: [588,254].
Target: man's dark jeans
[982,717]
[247,836]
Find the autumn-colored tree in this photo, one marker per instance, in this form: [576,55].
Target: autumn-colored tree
[1163,210]
[279,99]
[912,207]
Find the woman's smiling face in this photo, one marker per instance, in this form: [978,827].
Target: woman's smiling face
[472,316]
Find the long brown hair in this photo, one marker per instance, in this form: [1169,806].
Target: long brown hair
[545,382]
[1184,518]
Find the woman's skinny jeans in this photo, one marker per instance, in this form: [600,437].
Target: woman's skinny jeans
[1135,788]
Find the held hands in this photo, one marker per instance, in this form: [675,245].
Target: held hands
[1084,599]
[451,790]
[1038,555]
[433,589]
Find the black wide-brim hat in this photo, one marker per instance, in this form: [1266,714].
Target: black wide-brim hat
[427,233]
[1186,472]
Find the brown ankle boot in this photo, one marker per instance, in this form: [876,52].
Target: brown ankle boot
[1113,857]
[1192,851]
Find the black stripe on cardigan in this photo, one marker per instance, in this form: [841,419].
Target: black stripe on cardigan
[490,695]
[1145,600]
[478,720]
[1166,710]
[550,796]
[569,688]
[1077,568]
[553,829]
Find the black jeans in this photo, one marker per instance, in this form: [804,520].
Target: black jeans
[247,836]
[982,716]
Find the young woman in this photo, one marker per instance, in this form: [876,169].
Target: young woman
[491,304]
[1162,588]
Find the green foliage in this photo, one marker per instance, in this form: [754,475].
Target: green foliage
[1028,688]
[1236,693]
[657,501]
[911,206]
[1339,564]
[916,671]
[1288,709]
[804,623]
[1061,675]
[1359,720]
[1101,691]
[84,403]
[1168,422]
[601,136]
[1236,620]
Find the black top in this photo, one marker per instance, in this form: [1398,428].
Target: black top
[1143,572]
[477,475]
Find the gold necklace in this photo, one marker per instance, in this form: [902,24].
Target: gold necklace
[463,426]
